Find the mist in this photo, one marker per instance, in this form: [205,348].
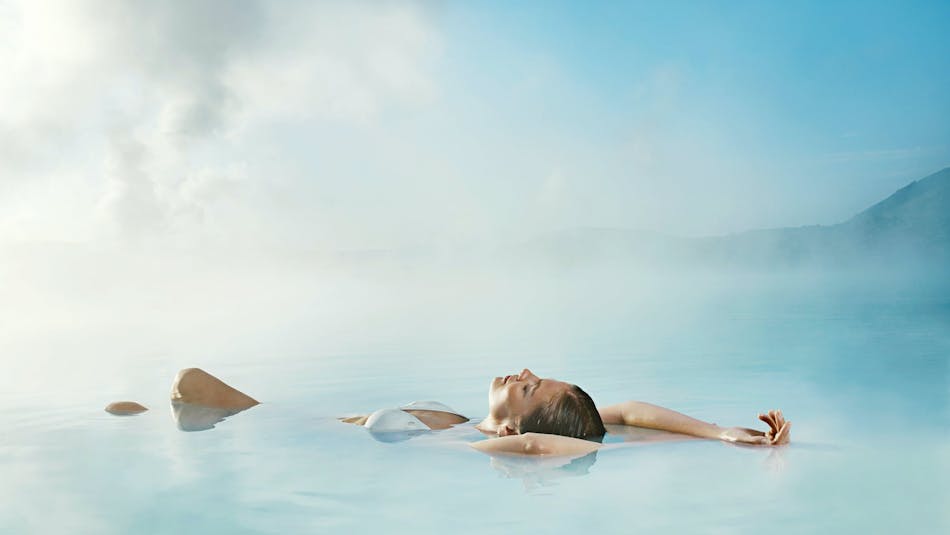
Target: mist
[241,182]
[337,207]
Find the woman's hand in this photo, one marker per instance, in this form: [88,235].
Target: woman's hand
[778,433]
[780,430]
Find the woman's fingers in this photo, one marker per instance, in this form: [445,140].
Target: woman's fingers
[783,435]
[779,428]
[777,417]
[770,421]
[774,418]
[784,428]
[780,436]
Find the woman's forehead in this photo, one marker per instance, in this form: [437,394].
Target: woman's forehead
[553,386]
[553,380]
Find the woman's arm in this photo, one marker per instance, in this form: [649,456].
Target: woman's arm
[640,414]
[536,444]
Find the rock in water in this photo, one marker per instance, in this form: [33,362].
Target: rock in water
[124,408]
[199,417]
[196,386]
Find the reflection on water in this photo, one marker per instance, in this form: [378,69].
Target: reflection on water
[190,417]
[536,472]
[776,461]
[396,436]
[640,435]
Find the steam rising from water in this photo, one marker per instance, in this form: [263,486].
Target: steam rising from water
[219,182]
[87,319]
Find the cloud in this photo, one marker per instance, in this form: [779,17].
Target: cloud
[132,199]
[347,62]
[158,103]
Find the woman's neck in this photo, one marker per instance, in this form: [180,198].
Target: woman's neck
[488,426]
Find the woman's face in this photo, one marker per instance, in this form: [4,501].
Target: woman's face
[513,396]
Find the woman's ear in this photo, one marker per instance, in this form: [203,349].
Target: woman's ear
[505,430]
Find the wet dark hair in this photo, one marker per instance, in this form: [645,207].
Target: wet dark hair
[571,414]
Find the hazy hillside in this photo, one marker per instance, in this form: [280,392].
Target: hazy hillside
[910,226]
[917,216]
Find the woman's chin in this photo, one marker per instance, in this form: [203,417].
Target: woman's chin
[487,426]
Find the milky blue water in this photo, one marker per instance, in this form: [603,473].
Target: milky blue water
[861,371]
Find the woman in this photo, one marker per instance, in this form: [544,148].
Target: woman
[535,416]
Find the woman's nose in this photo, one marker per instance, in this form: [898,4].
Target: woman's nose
[526,375]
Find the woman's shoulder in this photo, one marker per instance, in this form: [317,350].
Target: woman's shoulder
[537,444]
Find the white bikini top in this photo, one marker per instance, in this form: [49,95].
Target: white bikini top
[400,421]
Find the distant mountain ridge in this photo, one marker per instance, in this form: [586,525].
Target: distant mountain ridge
[919,211]
[913,224]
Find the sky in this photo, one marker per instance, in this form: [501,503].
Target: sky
[352,125]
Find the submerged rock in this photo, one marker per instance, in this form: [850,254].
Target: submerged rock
[125,408]
[190,417]
[198,387]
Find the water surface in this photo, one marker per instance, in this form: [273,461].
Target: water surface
[861,371]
